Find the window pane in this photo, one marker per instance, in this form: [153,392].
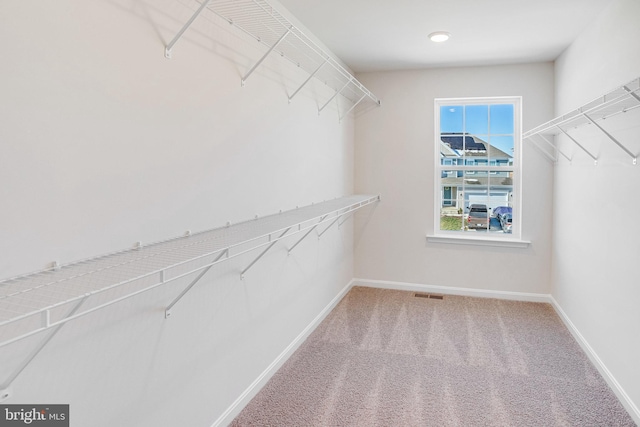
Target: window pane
[476,188]
[451,212]
[476,198]
[477,119]
[501,178]
[475,150]
[451,220]
[479,139]
[502,119]
[449,154]
[451,119]
[451,178]
[501,196]
[502,150]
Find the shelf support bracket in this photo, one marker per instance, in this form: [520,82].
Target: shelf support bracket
[352,107]
[167,49]
[343,221]
[308,79]
[306,234]
[330,225]
[43,343]
[554,147]
[595,159]
[626,150]
[264,252]
[540,150]
[167,312]
[286,33]
[335,94]
[349,214]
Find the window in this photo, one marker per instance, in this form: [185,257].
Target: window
[477,147]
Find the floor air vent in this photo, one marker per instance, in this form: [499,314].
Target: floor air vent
[420,295]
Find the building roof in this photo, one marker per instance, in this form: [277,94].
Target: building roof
[458,145]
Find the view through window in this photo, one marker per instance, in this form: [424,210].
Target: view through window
[477,164]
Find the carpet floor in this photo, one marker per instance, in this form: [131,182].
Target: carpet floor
[389,358]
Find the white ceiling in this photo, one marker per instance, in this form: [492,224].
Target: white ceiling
[372,35]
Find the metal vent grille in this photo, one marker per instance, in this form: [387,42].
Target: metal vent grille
[430,296]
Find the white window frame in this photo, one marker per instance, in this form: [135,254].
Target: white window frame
[513,239]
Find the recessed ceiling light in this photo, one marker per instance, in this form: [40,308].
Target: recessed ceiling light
[439,36]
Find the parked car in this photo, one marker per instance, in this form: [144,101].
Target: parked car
[501,210]
[505,222]
[478,216]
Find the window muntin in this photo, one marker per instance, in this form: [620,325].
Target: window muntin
[477,163]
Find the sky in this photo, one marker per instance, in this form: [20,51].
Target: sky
[491,123]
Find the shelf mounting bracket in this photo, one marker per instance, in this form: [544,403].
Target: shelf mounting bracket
[322,218]
[308,79]
[167,49]
[264,252]
[286,33]
[334,95]
[595,159]
[554,147]
[344,220]
[352,107]
[626,150]
[540,150]
[46,320]
[167,312]
[330,225]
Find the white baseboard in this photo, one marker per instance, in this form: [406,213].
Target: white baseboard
[448,290]
[251,391]
[255,387]
[631,408]
[628,404]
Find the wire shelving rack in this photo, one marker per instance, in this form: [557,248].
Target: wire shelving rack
[47,299]
[619,101]
[262,22]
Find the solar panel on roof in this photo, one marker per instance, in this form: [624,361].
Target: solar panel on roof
[455,142]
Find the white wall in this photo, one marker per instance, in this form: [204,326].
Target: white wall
[394,157]
[596,239]
[103,143]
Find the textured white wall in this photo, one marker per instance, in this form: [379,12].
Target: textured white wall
[103,143]
[394,156]
[596,244]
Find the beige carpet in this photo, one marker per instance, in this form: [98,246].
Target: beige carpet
[388,358]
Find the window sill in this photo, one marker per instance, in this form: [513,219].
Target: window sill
[478,241]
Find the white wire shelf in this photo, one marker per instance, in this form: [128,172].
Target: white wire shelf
[39,301]
[264,23]
[619,101]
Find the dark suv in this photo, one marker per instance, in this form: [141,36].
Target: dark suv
[478,217]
